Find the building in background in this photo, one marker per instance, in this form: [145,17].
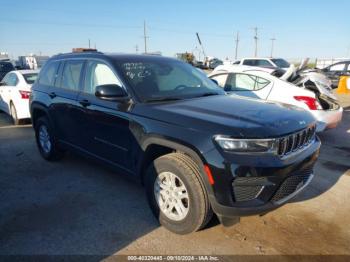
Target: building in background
[31,61]
[4,56]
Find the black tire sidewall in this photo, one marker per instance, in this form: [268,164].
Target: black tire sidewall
[14,117]
[190,222]
[44,122]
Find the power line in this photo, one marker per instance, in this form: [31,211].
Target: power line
[27,21]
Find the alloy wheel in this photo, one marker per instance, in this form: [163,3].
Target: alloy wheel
[172,196]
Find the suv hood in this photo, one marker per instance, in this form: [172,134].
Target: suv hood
[229,115]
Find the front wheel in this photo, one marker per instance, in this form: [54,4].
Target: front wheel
[45,140]
[176,194]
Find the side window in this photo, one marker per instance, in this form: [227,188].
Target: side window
[263,63]
[48,74]
[221,79]
[261,83]
[98,73]
[244,82]
[5,79]
[11,80]
[337,67]
[249,62]
[348,68]
[71,74]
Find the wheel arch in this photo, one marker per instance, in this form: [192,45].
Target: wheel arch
[38,110]
[155,147]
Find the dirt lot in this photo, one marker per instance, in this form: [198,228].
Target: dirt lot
[78,207]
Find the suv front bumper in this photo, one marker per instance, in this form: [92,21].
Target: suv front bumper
[244,190]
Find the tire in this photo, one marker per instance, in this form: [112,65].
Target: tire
[49,150]
[195,211]
[13,113]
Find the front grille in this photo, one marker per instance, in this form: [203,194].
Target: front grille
[247,188]
[292,184]
[297,141]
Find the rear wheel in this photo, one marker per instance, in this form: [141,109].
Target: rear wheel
[46,141]
[13,113]
[177,194]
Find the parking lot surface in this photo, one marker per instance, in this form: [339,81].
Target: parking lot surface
[76,206]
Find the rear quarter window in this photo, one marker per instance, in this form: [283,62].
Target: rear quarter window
[48,74]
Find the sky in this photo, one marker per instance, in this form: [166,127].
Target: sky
[315,29]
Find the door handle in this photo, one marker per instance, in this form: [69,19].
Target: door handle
[84,102]
[52,95]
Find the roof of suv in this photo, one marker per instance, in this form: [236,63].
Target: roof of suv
[96,54]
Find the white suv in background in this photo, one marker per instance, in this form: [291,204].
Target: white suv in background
[15,89]
[264,62]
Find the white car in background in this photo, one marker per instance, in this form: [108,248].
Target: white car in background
[263,84]
[264,62]
[15,90]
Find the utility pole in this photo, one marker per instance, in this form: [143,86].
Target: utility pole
[272,45]
[256,41]
[145,35]
[137,49]
[89,42]
[237,41]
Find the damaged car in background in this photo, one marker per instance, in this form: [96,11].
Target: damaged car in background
[308,91]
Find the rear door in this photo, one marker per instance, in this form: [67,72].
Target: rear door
[248,85]
[3,93]
[7,90]
[104,125]
[64,106]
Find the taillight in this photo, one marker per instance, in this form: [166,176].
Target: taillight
[311,102]
[24,94]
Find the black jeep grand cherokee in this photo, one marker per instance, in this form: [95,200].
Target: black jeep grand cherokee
[196,149]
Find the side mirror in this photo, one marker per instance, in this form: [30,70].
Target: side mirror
[216,82]
[111,92]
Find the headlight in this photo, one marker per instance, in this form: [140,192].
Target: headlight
[247,145]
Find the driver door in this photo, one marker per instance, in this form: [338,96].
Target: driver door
[104,125]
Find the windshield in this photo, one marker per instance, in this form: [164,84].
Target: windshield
[281,63]
[166,80]
[30,78]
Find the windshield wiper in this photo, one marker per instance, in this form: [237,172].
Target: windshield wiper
[163,99]
[208,94]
